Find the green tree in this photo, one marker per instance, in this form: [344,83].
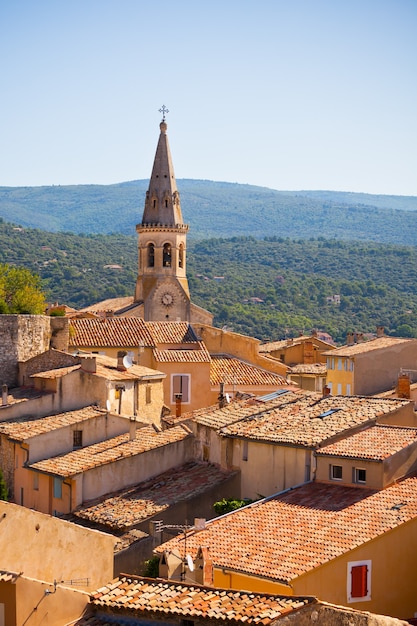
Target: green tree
[4,492]
[20,291]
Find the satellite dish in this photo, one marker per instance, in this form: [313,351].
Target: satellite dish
[227,398]
[190,563]
[127,361]
[108,405]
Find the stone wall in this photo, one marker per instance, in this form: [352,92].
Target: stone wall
[23,337]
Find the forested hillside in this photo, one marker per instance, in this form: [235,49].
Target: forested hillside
[216,209]
[269,288]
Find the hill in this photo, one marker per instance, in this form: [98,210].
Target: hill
[268,288]
[216,209]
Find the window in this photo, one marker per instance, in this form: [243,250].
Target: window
[339,389]
[336,472]
[359,581]
[57,488]
[77,439]
[167,255]
[330,387]
[339,364]
[180,385]
[245,450]
[348,390]
[359,475]
[181,256]
[35,481]
[151,255]
[148,394]
[351,366]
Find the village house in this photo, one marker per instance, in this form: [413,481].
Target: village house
[194,375]
[56,381]
[345,544]
[369,367]
[48,567]
[137,600]
[272,439]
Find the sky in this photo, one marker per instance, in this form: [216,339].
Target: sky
[286,94]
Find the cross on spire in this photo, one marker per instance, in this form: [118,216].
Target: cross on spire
[163,110]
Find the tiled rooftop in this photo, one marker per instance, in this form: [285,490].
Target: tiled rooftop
[109,332]
[231,370]
[129,507]
[366,346]
[8,577]
[293,533]
[272,346]
[23,428]
[171,332]
[238,410]
[172,600]
[200,354]
[298,418]
[375,443]
[109,451]
[308,368]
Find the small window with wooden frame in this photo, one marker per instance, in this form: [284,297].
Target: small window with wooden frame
[359,581]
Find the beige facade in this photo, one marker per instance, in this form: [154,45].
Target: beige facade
[369,367]
[54,567]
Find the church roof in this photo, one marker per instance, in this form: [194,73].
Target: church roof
[162,204]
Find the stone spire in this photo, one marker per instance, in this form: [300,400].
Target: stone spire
[162,203]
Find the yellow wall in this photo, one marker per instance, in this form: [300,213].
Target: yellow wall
[339,374]
[48,548]
[393,579]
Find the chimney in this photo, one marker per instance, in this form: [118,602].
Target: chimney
[379,331]
[350,339]
[222,397]
[89,364]
[4,394]
[403,386]
[308,352]
[132,430]
[359,338]
[120,356]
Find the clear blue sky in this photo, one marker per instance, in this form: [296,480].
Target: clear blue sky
[287,94]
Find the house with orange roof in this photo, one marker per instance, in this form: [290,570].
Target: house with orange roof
[374,457]
[195,377]
[272,439]
[57,484]
[25,440]
[65,382]
[369,367]
[306,349]
[135,600]
[347,545]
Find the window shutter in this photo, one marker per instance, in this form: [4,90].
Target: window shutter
[359,575]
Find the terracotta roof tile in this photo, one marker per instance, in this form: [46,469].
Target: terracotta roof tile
[308,368]
[231,370]
[166,599]
[8,577]
[128,507]
[171,332]
[111,304]
[297,531]
[200,354]
[109,451]
[23,428]
[378,343]
[375,443]
[109,332]
[298,418]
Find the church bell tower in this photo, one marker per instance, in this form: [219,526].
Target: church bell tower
[162,284]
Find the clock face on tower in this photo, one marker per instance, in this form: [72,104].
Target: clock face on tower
[167,299]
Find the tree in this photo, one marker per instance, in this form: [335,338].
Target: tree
[4,492]
[20,291]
